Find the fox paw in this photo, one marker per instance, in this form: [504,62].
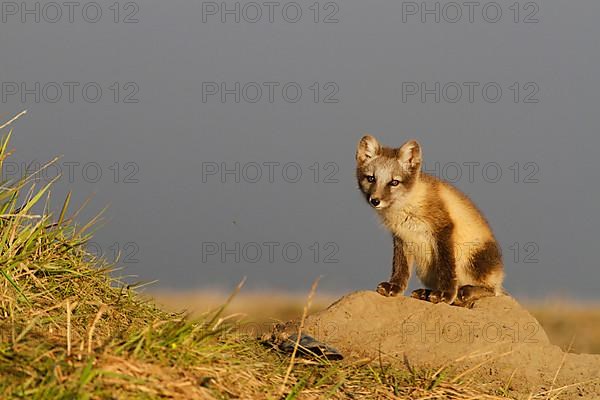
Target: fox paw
[434,296]
[468,294]
[389,289]
[421,294]
[439,296]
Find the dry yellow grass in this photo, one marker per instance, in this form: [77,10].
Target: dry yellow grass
[567,321]
[258,311]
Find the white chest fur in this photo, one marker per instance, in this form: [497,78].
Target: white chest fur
[417,236]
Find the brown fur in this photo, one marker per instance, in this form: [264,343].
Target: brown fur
[433,224]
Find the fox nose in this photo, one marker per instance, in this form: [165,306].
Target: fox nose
[375,202]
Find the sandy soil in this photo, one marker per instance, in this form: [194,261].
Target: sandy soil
[497,342]
[570,324]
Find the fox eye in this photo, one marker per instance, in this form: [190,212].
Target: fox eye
[370,178]
[395,182]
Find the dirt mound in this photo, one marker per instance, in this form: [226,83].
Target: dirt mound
[496,341]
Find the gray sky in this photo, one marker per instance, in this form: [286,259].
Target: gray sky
[158,131]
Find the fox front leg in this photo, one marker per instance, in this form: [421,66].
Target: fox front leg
[446,288]
[400,273]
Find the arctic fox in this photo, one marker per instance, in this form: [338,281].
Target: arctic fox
[434,226]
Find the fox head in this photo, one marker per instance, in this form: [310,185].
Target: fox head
[387,175]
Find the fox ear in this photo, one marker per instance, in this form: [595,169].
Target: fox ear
[367,148]
[410,155]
